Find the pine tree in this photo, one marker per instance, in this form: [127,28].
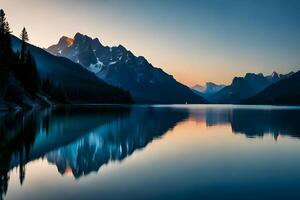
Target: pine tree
[25,69]
[6,52]
[5,42]
[4,26]
[25,38]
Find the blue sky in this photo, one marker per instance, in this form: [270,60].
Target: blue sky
[196,41]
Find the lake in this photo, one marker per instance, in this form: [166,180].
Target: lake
[151,152]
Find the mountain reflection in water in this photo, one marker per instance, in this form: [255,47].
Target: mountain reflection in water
[81,139]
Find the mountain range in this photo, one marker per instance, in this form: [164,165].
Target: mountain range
[285,91]
[245,87]
[80,85]
[121,68]
[114,75]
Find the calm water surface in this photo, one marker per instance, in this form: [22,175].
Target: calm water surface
[151,152]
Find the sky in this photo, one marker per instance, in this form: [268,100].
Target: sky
[194,40]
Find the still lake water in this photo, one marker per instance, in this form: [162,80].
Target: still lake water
[151,152]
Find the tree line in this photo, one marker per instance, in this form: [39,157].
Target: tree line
[18,70]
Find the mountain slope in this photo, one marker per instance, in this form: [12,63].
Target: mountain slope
[120,67]
[79,84]
[286,91]
[245,87]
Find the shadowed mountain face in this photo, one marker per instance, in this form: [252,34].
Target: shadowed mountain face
[119,67]
[286,91]
[79,84]
[245,87]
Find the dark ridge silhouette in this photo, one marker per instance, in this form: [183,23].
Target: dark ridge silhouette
[245,87]
[284,92]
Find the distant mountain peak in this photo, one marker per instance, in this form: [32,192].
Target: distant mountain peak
[66,41]
[239,81]
[253,75]
[79,36]
[275,74]
[198,87]
[96,40]
[211,84]
[121,46]
[208,89]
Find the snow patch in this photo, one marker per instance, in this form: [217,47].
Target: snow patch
[95,68]
[127,58]
[112,63]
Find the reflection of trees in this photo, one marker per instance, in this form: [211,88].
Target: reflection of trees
[4,178]
[18,134]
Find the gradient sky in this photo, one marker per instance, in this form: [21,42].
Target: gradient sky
[194,40]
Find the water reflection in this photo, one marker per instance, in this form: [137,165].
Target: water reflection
[115,140]
[252,122]
[80,140]
[29,136]
[18,133]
